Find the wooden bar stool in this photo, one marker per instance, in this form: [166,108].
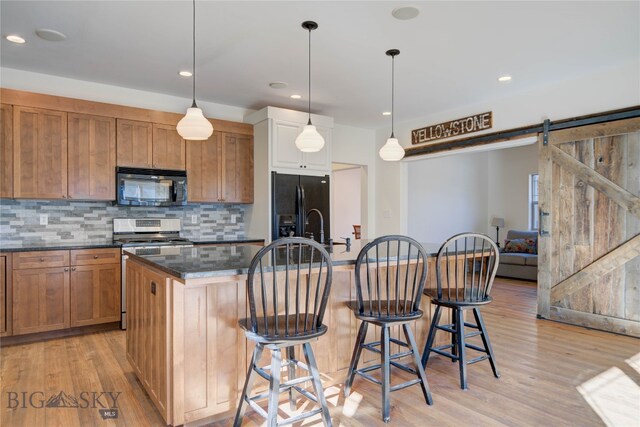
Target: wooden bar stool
[464,285]
[391,298]
[287,304]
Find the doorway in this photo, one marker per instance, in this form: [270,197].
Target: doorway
[349,200]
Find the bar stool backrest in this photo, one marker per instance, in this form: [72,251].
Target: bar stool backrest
[466,266]
[391,287]
[288,287]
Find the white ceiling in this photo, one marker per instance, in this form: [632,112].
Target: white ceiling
[451,54]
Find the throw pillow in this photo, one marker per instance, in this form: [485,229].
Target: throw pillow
[527,246]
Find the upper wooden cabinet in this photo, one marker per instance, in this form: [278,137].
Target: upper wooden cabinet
[92,157]
[135,144]
[6,150]
[236,185]
[203,169]
[39,153]
[168,148]
[220,169]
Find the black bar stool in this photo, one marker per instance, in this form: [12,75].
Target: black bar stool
[286,310]
[465,285]
[389,299]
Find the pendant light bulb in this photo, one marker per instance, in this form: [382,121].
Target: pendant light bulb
[309,140]
[392,151]
[194,125]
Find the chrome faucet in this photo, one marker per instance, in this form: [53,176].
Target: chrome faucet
[321,223]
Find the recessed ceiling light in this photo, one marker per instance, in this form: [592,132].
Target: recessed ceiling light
[185,73]
[504,78]
[278,85]
[15,39]
[386,113]
[296,96]
[405,13]
[50,35]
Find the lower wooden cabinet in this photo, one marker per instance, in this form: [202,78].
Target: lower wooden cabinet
[6,320]
[95,294]
[40,300]
[147,349]
[50,294]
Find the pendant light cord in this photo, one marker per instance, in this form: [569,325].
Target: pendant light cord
[393,80]
[193,69]
[309,108]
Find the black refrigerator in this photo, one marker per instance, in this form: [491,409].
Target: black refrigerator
[299,205]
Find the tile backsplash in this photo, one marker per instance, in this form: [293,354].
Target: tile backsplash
[87,221]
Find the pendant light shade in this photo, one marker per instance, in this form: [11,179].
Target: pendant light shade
[392,151]
[194,125]
[309,141]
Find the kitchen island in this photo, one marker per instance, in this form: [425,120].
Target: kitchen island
[183,339]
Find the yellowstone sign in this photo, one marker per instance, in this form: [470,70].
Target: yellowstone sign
[457,127]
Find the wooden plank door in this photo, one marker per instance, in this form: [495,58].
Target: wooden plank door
[92,157]
[589,245]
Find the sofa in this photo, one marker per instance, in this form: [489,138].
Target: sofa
[519,265]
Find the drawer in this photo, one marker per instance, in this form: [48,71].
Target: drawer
[40,259]
[95,256]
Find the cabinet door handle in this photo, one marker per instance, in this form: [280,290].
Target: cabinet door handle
[66,269]
[73,269]
[153,288]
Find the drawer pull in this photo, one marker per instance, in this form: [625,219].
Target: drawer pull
[95,257]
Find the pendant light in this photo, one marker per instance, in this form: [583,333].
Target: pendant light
[392,151]
[309,141]
[194,126]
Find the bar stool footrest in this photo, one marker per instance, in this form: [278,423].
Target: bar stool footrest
[405,384]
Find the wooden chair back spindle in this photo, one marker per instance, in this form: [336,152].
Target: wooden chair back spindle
[283,303]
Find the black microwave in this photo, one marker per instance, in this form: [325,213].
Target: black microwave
[151,187]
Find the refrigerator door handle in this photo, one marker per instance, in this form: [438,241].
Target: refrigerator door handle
[300,205]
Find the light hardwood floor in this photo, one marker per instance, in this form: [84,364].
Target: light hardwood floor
[551,374]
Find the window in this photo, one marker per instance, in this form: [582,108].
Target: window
[533,201]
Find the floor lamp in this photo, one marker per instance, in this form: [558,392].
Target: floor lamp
[497,223]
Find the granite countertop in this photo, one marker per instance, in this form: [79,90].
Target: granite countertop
[52,246]
[216,261]
[104,243]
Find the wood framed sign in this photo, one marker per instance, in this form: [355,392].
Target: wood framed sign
[457,127]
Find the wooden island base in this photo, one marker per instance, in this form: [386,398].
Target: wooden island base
[186,348]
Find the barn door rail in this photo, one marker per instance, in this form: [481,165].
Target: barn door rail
[511,134]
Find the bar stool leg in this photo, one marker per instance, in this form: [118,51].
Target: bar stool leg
[291,371]
[357,350]
[485,340]
[248,385]
[454,339]
[386,381]
[408,334]
[462,354]
[317,384]
[432,336]
[274,387]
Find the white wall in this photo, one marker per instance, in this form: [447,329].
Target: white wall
[346,202]
[61,86]
[356,146]
[606,90]
[453,196]
[508,183]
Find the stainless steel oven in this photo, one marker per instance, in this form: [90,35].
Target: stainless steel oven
[151,187]
[145,236]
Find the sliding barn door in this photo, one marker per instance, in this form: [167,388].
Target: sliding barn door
[589,245]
